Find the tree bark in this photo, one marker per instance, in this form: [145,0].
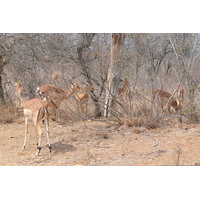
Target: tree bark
[2,99]
[4,59]
[86,42]
[114,72]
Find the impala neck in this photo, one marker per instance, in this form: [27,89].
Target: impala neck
[69,92]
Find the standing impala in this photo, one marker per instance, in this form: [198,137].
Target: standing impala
[37,110]
[164,98]
[123,91]
[81,96]
[18,92]
[56,95]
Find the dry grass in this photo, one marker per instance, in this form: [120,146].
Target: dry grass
[105,135]
[139,113]
[7,114]
[141,121]
[71,111]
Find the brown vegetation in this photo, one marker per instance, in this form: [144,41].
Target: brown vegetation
[8,114]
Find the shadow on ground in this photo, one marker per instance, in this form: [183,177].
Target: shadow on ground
[58,147]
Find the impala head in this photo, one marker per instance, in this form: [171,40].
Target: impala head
[44,97]
[88,87]
[17,84]
[41,94]
[124,82]
[74,86]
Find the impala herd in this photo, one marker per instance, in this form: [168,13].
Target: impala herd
[51,96]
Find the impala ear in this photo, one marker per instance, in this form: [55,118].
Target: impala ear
[37,90]
[75,85]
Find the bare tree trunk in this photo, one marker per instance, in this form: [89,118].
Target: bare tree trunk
[2,99]
[3,61]
[114,72]
[86,42]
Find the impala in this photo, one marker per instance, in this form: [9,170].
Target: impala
[123,91]
[179,93]
[164,98]
[81,96]
[56,95]
[18,93]
[37,110]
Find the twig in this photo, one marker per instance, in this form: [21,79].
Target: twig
[157,142]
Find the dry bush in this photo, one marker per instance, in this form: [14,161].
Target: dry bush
[105,135]
[139,112]
[142,121]
[7,114]
[70,111]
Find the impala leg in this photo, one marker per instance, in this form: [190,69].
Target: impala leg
[79,107]
[17,103]
[82,108]
[36,122]
[86,109]
[26,131]
[39,143]
[168,108]
[59,114]
[56,114]
[47,133]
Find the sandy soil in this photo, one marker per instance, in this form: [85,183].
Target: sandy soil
[102,144]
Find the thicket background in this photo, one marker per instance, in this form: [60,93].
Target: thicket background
[150,61]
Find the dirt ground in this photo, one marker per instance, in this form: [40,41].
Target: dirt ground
[93,143]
